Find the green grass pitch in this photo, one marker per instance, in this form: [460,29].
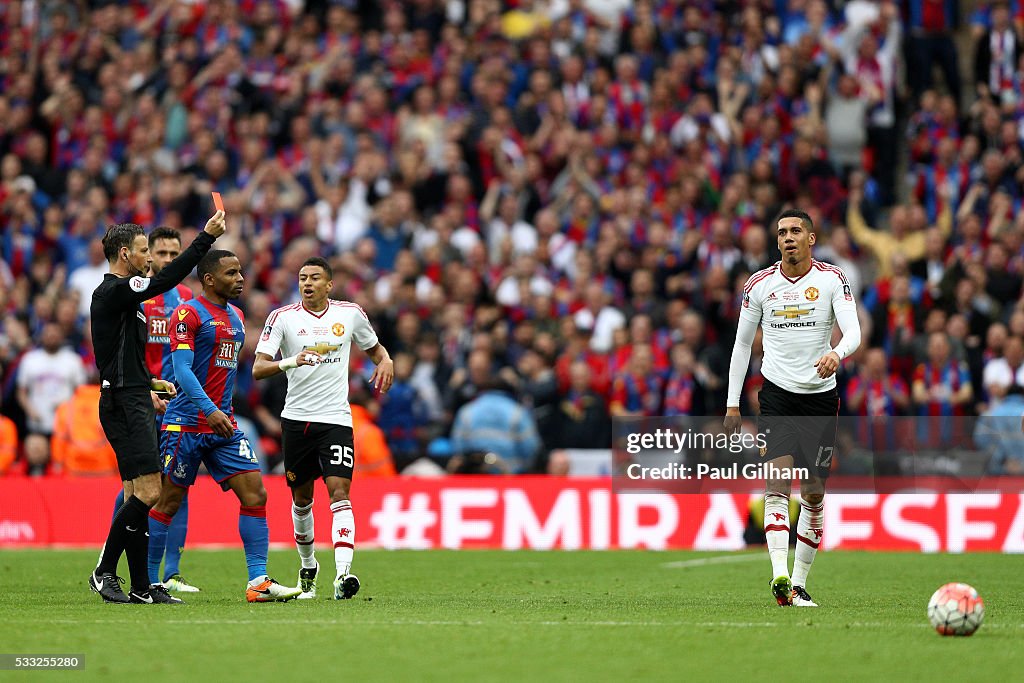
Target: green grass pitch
[475,615]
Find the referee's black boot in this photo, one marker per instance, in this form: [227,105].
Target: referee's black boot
[107,585]
[155,595]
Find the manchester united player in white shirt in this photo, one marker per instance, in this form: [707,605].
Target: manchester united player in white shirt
[315,337]
[796,302]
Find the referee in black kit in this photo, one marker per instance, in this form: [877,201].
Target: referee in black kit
[126,406]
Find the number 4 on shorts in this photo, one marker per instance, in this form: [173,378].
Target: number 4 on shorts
[342,455]
[245,451]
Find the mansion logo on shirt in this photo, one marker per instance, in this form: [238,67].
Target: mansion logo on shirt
[159,330]
[227,354]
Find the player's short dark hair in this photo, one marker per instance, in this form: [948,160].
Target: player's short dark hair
[211,262]
[164,233]
[120,235]
[797,213]
[320,262]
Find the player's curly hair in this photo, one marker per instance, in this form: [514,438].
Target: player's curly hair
[210,263]
[117,236]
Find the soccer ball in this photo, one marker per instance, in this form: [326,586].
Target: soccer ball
[956,609]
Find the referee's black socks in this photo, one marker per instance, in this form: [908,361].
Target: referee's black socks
[129,533]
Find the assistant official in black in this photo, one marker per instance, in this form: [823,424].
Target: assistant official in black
[126,403]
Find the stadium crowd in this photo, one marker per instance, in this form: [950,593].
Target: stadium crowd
[547,207]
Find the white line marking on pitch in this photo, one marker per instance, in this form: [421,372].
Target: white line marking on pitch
[718,559]
[502,623]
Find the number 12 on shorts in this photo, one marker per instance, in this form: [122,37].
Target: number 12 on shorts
[824,456]
[341,455]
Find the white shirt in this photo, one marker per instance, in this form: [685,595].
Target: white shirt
[562,252]
[508,292]
[84,280]
[603,326]
[796,318]
[522,235]
[49,379]
[998,372]
[352,222]
[318,393]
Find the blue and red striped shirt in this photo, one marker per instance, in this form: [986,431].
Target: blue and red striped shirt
[158,330]
[214,335]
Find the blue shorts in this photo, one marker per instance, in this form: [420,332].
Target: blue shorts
[224,458]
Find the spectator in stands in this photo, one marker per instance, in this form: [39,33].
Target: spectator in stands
[681,384]
[941,389]
[538,391]
[875,391]
[599,316]
[583,415]
[495,423]
[466,383]
[712,362]
[998,431]
[47,377]
[930,26]
[641,333]
[1005,371]
[78,445]
[996,57]
[402,414]
[845,116]
[899,240]
[895,322]
[875,66]
[84,279]
[637,389]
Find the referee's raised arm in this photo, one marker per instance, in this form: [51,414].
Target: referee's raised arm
[118,333]
[136,288]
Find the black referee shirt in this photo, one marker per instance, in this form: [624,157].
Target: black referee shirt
[118,325]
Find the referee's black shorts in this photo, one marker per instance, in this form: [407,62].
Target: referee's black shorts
[129,422]
[801,425]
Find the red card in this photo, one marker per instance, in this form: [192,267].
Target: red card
[217,202]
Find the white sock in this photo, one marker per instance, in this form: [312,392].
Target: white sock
[302,521]
[776,531]
[808,537]
[343,532]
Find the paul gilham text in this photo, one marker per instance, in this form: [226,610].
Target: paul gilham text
[756,472]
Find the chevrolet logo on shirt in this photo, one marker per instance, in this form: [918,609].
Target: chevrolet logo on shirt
[791,312]
[323,348]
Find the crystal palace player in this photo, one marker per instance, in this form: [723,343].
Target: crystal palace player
[797,302]
[315,336]
[165,245]
[207,334]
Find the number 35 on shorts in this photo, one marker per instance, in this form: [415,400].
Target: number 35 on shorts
[341,455]
[244,451]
